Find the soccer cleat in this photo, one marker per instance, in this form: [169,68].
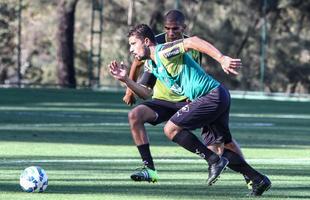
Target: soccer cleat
[261,187]
[145,174]
[216,169]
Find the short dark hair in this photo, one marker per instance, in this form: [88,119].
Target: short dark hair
[142,31]
[175,16]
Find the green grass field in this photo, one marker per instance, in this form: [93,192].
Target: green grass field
[82,140]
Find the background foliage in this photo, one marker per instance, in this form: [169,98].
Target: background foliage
[232,26]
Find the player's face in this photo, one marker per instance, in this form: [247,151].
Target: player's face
[138,48]
[174,30]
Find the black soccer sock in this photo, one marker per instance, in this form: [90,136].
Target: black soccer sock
[189,141]
[238,164]
[146,156]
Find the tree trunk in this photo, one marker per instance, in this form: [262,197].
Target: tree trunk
[65,43]
[7,41]
[131,13]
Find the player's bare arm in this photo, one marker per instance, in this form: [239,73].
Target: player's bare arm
[119,72]
[129,97]
[229,65]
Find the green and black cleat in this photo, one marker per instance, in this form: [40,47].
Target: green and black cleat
[145,174]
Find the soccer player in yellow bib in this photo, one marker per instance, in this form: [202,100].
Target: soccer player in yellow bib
[174,25]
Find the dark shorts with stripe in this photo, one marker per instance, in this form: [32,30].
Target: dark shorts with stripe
[209,112]
[164,109]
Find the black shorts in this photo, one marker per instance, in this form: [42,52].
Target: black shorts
[164,109]
[209,112]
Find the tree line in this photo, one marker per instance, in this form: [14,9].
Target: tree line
[55,39]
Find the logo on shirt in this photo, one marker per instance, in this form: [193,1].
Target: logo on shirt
[175,51]
[184,109]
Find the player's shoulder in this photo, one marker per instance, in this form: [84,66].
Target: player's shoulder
[161,38]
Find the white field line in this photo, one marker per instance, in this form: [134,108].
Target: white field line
[61,109]
[279,116]
[284,161]
[38,125]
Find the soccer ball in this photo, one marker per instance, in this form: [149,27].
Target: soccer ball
[33,179]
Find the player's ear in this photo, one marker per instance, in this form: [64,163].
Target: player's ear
[147,41]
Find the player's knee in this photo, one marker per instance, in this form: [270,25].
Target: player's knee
[170,130]
[134,116]
[217,148]
[166,130]
[232,146]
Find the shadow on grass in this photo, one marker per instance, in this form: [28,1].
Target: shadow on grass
[143,189]
[162,190]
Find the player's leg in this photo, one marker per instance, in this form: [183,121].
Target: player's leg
[219,131]
[217,136]
[137,117]
[211,139]
[197,114]
[190,142]
[260,184]
[234,147]
[251,176]
[153,112]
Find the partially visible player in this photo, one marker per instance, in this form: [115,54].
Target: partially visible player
[210,101]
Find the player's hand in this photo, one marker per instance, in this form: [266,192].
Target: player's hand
[129,98]
[118,71]
[230,65]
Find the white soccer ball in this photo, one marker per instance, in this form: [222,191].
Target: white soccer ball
[33,179]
